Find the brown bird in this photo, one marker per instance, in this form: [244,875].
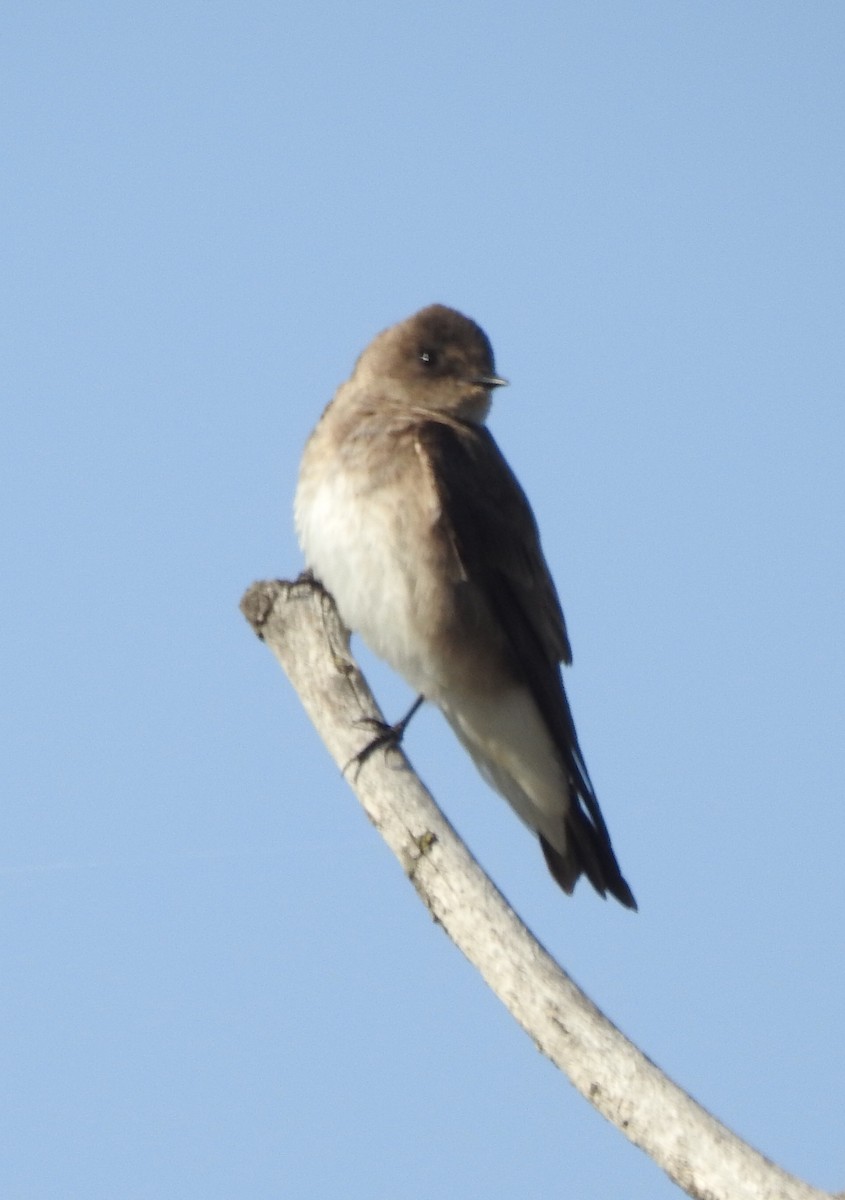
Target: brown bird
[409,515]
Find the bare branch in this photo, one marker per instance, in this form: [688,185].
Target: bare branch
[300,625]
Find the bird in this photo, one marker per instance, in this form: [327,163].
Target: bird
[409,515]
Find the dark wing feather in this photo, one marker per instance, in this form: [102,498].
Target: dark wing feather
[495,537]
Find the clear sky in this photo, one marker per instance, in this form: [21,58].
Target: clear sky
[215,981]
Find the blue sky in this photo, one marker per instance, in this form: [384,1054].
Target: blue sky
[214,979]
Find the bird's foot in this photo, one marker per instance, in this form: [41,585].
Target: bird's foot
[388,736]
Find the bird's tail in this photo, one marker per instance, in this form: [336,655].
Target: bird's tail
[589,853]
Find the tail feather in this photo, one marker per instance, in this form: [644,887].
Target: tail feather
[587,853]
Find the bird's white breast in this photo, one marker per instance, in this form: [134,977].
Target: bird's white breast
[355,538]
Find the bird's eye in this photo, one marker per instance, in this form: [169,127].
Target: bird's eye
[428,358]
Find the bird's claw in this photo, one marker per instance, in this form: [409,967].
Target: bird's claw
[387,736]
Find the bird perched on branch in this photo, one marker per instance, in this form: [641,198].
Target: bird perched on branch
[409,515]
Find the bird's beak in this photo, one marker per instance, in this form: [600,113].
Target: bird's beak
[490,381]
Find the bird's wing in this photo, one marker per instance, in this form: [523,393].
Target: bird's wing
[485,515]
